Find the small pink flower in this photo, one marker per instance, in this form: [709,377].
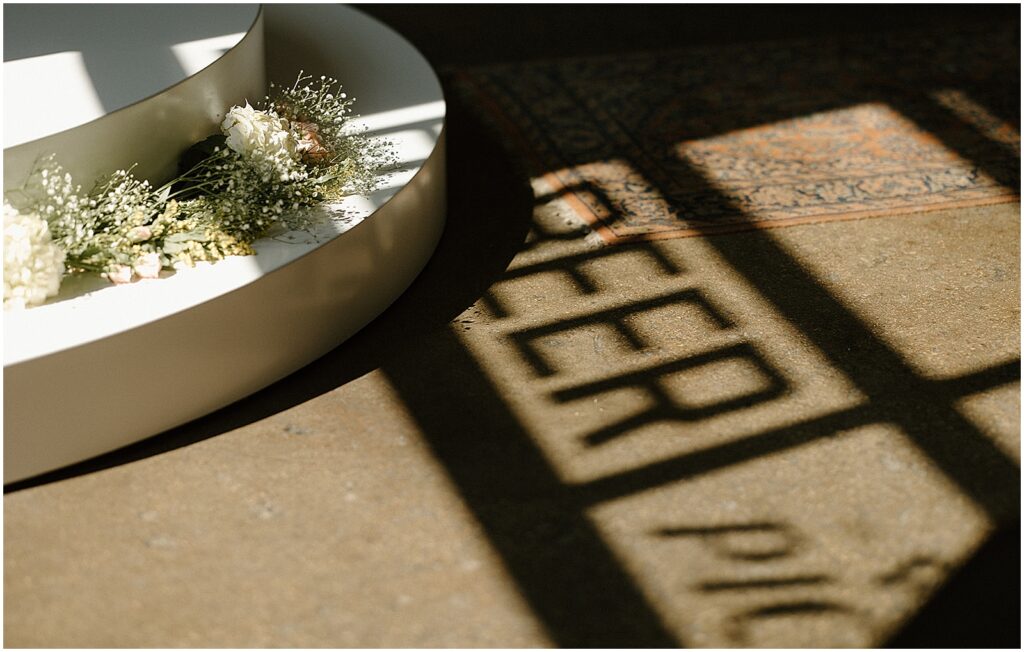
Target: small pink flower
[148,266]
[140,234]
[120,274]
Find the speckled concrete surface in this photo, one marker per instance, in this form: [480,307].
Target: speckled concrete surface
[328,524]
[333,522]
[782,438]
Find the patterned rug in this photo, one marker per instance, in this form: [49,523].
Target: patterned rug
[720,139]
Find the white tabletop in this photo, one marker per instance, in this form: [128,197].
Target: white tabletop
[66,65]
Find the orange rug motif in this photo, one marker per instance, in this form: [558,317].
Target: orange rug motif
[712,140]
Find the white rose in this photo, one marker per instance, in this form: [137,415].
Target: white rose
[33,264]
[260,134]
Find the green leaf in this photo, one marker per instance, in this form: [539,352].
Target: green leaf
[195,235]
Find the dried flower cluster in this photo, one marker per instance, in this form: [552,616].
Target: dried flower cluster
[268,166]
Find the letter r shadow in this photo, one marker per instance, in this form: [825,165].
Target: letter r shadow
[666,408]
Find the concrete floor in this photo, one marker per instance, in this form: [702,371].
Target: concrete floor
[780,438]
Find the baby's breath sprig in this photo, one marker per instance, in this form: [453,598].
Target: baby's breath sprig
[270,166]
[123,227]
[321,117]
[297,150]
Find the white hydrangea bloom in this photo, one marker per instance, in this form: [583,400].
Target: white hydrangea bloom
[263,137]
[33,265]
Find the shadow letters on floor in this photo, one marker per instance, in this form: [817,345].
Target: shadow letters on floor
[573,579]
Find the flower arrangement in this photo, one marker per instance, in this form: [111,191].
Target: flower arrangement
[268,167]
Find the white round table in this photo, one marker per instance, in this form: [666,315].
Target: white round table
[102,366]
